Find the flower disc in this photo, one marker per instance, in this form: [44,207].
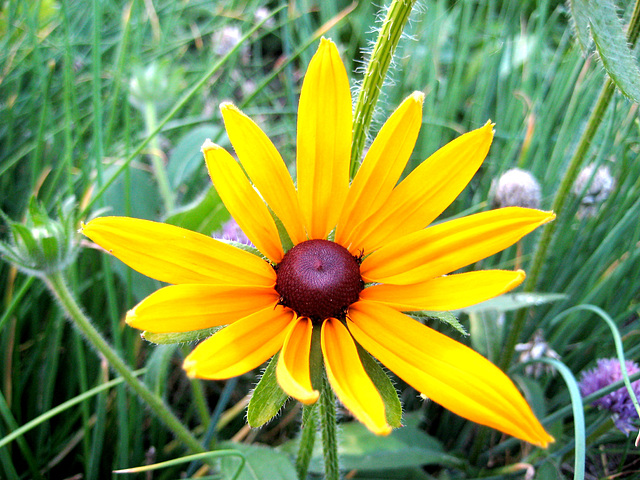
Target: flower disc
[318,279]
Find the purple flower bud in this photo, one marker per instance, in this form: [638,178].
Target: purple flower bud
[232,231]
[619,402]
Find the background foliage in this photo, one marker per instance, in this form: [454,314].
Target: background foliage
[82,86]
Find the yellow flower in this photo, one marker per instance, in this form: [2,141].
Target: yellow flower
[382,261]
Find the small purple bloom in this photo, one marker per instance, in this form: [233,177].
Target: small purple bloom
[619,402]
[232,231]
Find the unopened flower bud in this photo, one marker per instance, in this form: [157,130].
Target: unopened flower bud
[156,84]
[42,245]
[536,349]
[516,188]
[225,39]
[594,188]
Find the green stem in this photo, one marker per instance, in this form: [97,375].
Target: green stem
[604,98]
[383,50]
[329,429]
[58,287]
[307,440]
[157,163]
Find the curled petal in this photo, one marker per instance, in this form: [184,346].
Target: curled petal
[349,379]
[445,293]
[175,255]
[293,365]
[242,201]
[444,370]
[445,247]
[240,347]
[324,140]
[182,308]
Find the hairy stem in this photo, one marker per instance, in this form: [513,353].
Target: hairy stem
[59,289]
[329,429]
[383,50]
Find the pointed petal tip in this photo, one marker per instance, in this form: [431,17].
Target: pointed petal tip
[227,106]
[189,367]
[382,430]
[131,317]
[519,279]
[209,145]
[545,440]
[418,97]
[309,398]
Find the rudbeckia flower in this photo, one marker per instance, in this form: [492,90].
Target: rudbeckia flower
[359,255]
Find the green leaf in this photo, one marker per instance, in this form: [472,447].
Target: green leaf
[205,215]
[446,317]
[486,333]
[392,405]
[179,337]
[186,156]
[580,17]
[136,196]
[514,301]
[262,463]
[268,398]
[601,19]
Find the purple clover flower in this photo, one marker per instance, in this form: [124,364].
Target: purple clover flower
[618,402]
[232,231]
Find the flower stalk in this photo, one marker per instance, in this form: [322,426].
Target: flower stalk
[58,287]
[307,440]
[597,115]
[329,427]
[383,51]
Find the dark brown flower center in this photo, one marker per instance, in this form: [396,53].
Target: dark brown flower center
[318,279]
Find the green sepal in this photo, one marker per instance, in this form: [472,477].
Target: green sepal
[285,239]
[179,337]
[243,246]
[446,317]
[268,398]
[382,382]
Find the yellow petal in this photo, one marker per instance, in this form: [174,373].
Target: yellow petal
[175,255]
[293,365]
[444,370]
[240,347]
[182,308]
[265,168]
[445,293]
[242,201]
[349,379]
[381,168]
[426,191]
[445,247]
[324,140]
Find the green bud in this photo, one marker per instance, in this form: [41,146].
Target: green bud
[41,245]
[158,84]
